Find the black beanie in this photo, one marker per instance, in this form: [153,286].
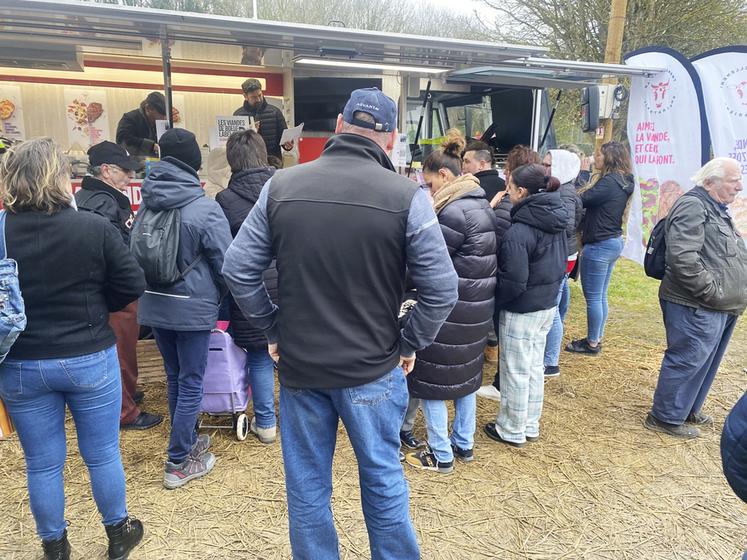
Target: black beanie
[182,145]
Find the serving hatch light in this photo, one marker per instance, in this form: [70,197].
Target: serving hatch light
[370,65]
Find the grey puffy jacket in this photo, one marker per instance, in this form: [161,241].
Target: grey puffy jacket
[706,259]
[192,303]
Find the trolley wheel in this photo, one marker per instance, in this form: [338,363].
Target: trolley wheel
[242,427]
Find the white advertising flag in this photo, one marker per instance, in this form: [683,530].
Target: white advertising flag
[723,74]
[668,139]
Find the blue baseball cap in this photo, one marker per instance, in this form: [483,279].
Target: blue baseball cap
[382,108]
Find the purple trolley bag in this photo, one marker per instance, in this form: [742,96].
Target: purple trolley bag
[225,389]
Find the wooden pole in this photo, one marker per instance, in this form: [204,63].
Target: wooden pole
[612,54]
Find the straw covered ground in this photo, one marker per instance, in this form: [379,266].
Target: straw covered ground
[596,486]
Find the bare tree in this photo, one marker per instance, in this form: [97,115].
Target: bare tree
[394,16]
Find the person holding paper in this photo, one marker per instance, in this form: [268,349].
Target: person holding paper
[136,130]
[268,119]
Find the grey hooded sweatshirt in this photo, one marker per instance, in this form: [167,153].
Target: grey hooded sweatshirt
[192,303]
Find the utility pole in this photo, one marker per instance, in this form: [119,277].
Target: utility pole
[612,54]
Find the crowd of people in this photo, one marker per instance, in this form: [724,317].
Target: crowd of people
[313,264]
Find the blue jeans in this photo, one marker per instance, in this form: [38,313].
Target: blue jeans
[462,430]
[262,381]
[184,359]
[35,392]
[555,337]
[596,265]
[412,411]
[696,343]
[372,415]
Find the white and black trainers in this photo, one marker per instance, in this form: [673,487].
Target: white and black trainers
[426,460]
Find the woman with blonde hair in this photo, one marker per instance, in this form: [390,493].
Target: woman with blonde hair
[73,270]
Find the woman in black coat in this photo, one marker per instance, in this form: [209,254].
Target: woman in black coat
[73,271]
[531,268]
[451,368]
[247,156]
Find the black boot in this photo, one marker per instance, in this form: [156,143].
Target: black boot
[123,537]
[58,549]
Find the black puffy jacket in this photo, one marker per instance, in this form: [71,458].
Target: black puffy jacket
[533,255]
[237,201]
[272,124]
[734,448]
[503,219]
[451,367]
[575,209]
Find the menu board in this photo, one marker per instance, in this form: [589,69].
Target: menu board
[11,113]
[86,117]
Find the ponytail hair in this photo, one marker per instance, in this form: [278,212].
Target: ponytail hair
[449,156]
[532,177]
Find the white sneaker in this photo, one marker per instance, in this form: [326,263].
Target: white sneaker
[265,435]
[489,392]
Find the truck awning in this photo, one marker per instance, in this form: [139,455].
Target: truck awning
[87,23]
[545,73]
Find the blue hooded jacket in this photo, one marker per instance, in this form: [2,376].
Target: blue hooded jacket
[734,448]
[192,303]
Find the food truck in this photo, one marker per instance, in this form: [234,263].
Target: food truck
[70,70]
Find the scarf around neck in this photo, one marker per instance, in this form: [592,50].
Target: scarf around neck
[454,190]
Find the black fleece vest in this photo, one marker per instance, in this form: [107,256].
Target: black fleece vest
[338,228]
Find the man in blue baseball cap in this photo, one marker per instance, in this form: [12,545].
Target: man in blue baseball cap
[343,229]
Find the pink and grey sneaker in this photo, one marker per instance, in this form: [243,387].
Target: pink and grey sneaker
[175,476]
[202,444]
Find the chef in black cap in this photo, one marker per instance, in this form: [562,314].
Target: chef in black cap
[136,130]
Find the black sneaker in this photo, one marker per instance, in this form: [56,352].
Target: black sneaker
[464,455]
[425,459]
[676,430]
[145,421]
[493,434]
[409,440]
[552,371]
[582,346]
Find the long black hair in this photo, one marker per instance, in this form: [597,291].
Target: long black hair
[532,177]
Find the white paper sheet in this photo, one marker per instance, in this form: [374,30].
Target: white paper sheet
[291,134]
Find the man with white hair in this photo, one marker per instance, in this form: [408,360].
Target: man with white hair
[703,291]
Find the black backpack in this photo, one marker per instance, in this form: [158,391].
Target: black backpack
[655,262]
[655,259]
[154,242]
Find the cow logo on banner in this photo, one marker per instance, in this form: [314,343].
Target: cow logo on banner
[665,130]
[723,73]
[661,92]
[734,91]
